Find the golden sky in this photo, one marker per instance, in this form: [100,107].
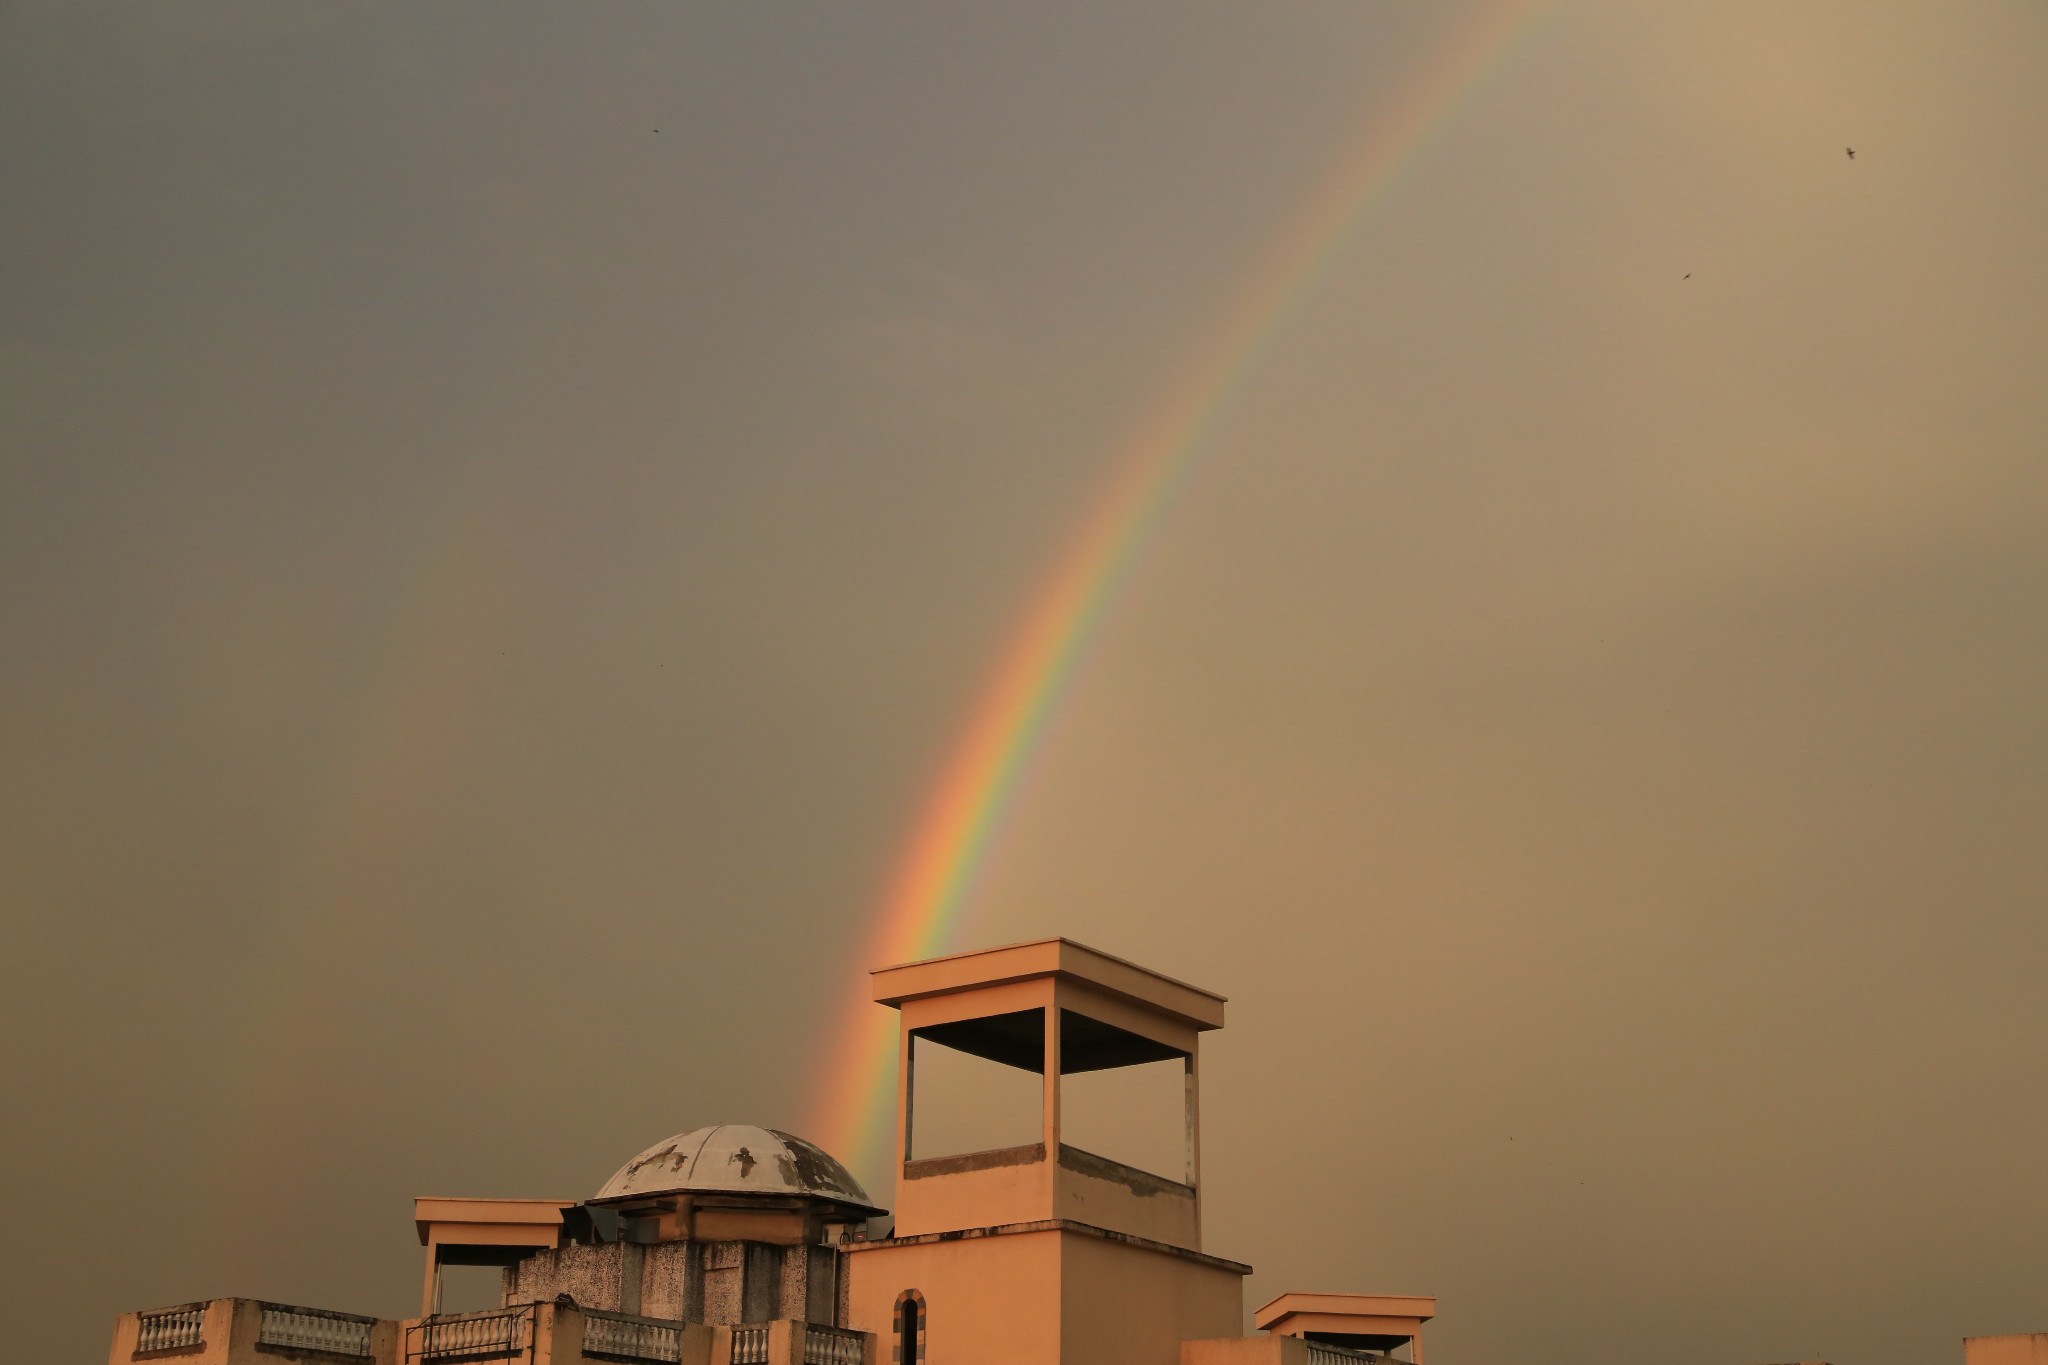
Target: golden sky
[508,503]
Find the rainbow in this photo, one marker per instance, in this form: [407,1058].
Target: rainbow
[855,1096]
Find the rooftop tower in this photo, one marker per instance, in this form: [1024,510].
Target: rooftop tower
[1044,1252]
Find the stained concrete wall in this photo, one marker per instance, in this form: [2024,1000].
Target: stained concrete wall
[975,1190]
[711,1282]
[592,1275]
[1016,1185]
[1109,1194]
[671,1282]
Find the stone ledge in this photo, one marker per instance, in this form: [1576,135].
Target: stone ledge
[1054,1225]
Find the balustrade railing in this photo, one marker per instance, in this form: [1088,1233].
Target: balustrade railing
[750,1345]
[832,1346]
[171,1329]
[619,1339]
[314,1329]
[478,1338]
[1323,1353]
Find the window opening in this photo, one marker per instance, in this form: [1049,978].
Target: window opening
[1124,1096]
[976,1086]
[470,1288]
[1134,1115]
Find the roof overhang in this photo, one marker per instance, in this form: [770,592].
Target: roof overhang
[1051,957]
[489,1222]
[1392,1315]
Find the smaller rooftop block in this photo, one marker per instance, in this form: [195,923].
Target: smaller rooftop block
[2019,1348]
[1370,1322]
[489,1222]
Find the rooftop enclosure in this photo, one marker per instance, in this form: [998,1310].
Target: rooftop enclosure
[1377,1323]
[1051,1009]
[1043,1251]
[498,1232]
[2023,1348]
[737,1245]
[725,1225]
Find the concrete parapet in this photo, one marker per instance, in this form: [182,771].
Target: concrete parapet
[251,1332]
[2019,1348]
[552,1334]
[788,1342]
[1261,1350]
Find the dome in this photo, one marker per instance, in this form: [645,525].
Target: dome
[735,1158]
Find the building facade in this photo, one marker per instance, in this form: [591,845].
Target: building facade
[738,1245]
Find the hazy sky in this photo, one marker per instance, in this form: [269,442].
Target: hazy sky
[484,584]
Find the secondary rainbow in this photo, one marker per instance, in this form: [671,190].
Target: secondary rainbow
[922,905]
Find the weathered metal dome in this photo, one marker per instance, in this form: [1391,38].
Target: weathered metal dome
[735,1158]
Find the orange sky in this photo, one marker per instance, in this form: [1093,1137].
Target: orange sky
[484,585]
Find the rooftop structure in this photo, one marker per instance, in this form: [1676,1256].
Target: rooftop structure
[1368,1322]
[1053,1008]
[737,1245]
[737,1158]
[2022,1348]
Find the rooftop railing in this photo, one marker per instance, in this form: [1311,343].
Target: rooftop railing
[171,1329]
[832,1346]
[750,1344]
[483,1336]
[1323,1353]
[315,1329]
[623,1339]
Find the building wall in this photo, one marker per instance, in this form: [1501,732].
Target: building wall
[1122,1198]
[977,1190]
[1017,1185]
[592,1275]
[1130,1305]
[1260,1350]
[721,1283]
[2024,1348]
[1047,1296]
[670,1282]
[989,1300]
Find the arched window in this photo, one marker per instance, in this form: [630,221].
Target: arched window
[911,1321]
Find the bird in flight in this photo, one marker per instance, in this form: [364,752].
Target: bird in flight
[1851,151]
